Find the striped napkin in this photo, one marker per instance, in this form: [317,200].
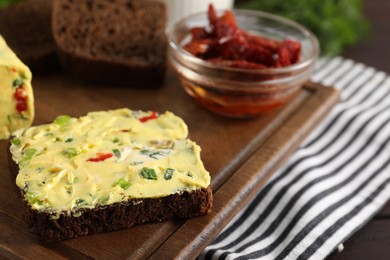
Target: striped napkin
[332,185]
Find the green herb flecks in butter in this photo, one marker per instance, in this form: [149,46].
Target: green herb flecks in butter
[33,198]
[149,173]
[70,152]
[81,202]
[99,163]
[27,156]
[153,154]
[62,120]
[69,140]
[168,173]
[123,184]
[116,152]
[136,163]
[104,199]
[17,82]
[15,141]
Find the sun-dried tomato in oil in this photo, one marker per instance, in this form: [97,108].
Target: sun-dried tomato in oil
[224,43]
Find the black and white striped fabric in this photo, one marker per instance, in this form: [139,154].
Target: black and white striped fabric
[330,187]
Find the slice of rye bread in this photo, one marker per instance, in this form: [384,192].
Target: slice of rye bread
[115,216]
[59,207]
[116,41]
[26,27]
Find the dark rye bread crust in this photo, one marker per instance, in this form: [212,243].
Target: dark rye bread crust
[114,216]
[112,41]
[26,27]
[118,215]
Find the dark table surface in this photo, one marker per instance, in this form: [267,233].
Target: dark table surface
[372,241]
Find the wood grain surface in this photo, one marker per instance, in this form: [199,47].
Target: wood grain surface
[240,155]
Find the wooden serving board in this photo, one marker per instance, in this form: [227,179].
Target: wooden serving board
[240,154]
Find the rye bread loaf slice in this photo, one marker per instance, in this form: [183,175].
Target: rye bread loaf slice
[113,217]
[117,216]
[116,41]
[26,26]
[107,171]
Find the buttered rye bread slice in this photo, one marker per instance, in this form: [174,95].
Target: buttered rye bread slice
[108,170]
[16,93]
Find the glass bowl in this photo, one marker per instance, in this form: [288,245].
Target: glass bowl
[237,92]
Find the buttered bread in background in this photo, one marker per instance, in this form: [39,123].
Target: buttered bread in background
[16,94]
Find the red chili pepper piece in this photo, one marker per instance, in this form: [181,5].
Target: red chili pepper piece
[20,94]
[21,106]
[144,119]
[100,157]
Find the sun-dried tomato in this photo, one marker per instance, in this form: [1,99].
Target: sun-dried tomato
[226,26]
[199,33]
[283,57]
[272,45]
[242,64]
[212,16]
[199,47]
[224,41]
[294,49]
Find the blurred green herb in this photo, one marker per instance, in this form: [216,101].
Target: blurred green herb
[336,23]
[70,152]
[148,173]
[4,3]
[62,120]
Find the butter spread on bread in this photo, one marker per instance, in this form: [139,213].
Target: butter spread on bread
[106,157]
[16,94]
